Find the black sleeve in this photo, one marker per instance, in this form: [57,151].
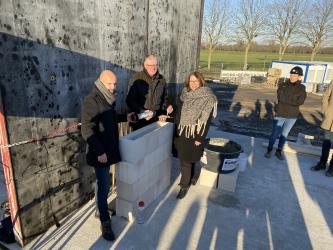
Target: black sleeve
[132,99]
[121,118]
[89,126]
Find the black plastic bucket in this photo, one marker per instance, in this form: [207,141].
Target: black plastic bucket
[220,155]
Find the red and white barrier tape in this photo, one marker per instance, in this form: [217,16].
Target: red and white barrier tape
[52,134]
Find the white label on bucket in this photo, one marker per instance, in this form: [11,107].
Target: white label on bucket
[229,164]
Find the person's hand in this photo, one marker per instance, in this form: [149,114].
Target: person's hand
[169,109]
[197,143]
[102,158]
[162,118]
[131,117]
[150,116]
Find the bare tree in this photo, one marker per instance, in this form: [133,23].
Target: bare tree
[319,24]
[285,20]
[216,19]
[250,22]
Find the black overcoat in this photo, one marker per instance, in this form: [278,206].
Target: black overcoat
[100,129]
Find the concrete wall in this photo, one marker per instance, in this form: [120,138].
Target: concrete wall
[51,52]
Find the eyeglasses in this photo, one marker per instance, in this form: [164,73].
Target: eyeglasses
[151,65]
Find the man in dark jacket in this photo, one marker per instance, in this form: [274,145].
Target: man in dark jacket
[290,94]
[147,93]
[100,130]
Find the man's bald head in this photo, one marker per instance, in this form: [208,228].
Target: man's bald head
[109,79]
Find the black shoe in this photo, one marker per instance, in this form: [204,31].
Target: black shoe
[279,155]
[194,181]
[107,232]
[319,166]
[268,154]
[182,193]
[329,172]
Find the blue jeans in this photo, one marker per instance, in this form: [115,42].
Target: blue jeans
[102,191]
[281,128]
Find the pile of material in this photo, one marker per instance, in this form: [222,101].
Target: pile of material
[273,76]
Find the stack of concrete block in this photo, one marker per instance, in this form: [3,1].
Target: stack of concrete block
[145,170]
[273,76]
[226,182]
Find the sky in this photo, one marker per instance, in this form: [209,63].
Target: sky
[260,39]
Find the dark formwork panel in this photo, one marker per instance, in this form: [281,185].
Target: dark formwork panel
[51,52]
[48,178]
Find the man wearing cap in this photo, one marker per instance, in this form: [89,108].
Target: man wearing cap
[290,94]
[327,126]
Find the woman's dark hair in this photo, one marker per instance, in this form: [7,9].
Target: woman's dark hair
[197,75]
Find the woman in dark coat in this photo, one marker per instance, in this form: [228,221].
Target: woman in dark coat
[197,106]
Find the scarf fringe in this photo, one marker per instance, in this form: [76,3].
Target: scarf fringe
[191,130]
[215,110]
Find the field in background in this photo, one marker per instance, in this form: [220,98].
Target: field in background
[233,60]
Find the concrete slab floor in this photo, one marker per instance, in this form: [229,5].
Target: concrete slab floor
[276,205]
[248,109]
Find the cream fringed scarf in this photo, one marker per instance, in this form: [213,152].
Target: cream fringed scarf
[196,109]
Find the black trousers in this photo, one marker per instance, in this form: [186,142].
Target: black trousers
[325,151]
[188,172]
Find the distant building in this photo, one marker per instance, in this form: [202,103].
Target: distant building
[316,74]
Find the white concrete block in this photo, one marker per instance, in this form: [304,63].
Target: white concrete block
[208,178]
[165,168]
[164,176]
[128,195]
[165,134]
[141,142]
[129,209]
[228,181]
[162,185]
[132,192]
[130,172]
[125,209]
